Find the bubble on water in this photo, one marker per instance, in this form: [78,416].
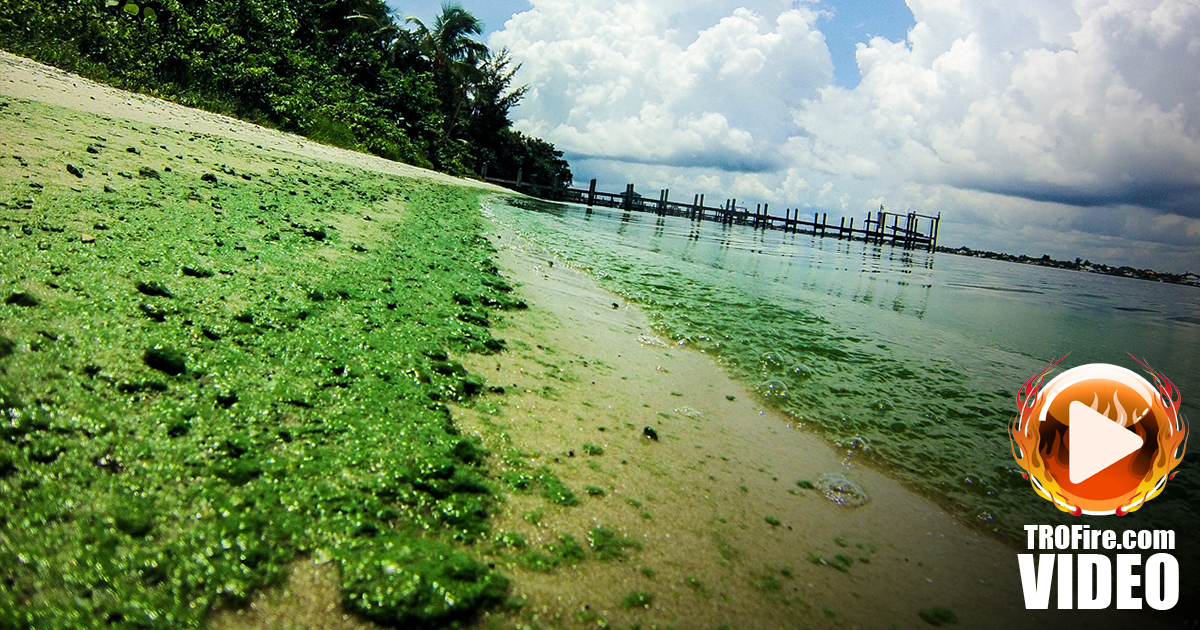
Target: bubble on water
[859,442]
[799,371]
[773,388]
[840,490]
[774,361]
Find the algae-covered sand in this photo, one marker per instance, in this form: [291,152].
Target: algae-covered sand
[252,382]
[219,357]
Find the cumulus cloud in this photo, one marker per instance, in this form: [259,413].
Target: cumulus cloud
[1048,120]
[1028,100]
[668,82]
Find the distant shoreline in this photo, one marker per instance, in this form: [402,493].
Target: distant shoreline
[1079,264]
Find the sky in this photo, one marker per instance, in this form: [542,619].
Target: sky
[1033,126]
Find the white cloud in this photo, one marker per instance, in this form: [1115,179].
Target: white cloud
[651,82]
[1025,121]
[1103,114]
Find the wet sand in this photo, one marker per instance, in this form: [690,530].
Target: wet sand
[589,369]
[728,532]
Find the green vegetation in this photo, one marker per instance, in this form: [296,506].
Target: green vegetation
[841,561]
[938,616]
[534,516]
[608,545]
[566,551]
[537,561]
[769,583]
[592,449]
[512,540]
[161,454]
[637,599]
[344,73]
[522,478]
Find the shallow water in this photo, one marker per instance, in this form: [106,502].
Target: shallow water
[906,358]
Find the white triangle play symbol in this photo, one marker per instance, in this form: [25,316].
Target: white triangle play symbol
[1096,442]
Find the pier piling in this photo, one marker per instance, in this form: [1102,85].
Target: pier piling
[915,231]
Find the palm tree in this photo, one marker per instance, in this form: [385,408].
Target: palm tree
[453,54]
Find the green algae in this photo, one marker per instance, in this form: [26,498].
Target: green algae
[637,599]
[523,478]
[537,561]
[938,616]
[609,545]
[565,551]
[841,561]
[208,390]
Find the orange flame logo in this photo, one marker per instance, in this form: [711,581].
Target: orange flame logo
[1039,436]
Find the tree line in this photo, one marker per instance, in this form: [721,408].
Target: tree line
[344,72]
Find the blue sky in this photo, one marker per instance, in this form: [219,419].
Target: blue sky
[493,13]
[1034,126]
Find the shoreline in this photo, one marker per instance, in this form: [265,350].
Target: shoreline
[727,533]
[1079,264]
[729,468]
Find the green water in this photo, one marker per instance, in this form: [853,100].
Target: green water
[908,360]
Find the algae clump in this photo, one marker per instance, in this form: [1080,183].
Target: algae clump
[206,391]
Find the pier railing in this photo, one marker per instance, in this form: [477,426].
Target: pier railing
[909,230]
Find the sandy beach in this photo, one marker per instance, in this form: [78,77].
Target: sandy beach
[719,506]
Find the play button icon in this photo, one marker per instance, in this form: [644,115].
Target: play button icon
[1096,442]
[1098,438]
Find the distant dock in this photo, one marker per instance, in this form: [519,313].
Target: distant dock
[909,230]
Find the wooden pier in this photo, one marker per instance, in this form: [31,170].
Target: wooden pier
[909,230]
